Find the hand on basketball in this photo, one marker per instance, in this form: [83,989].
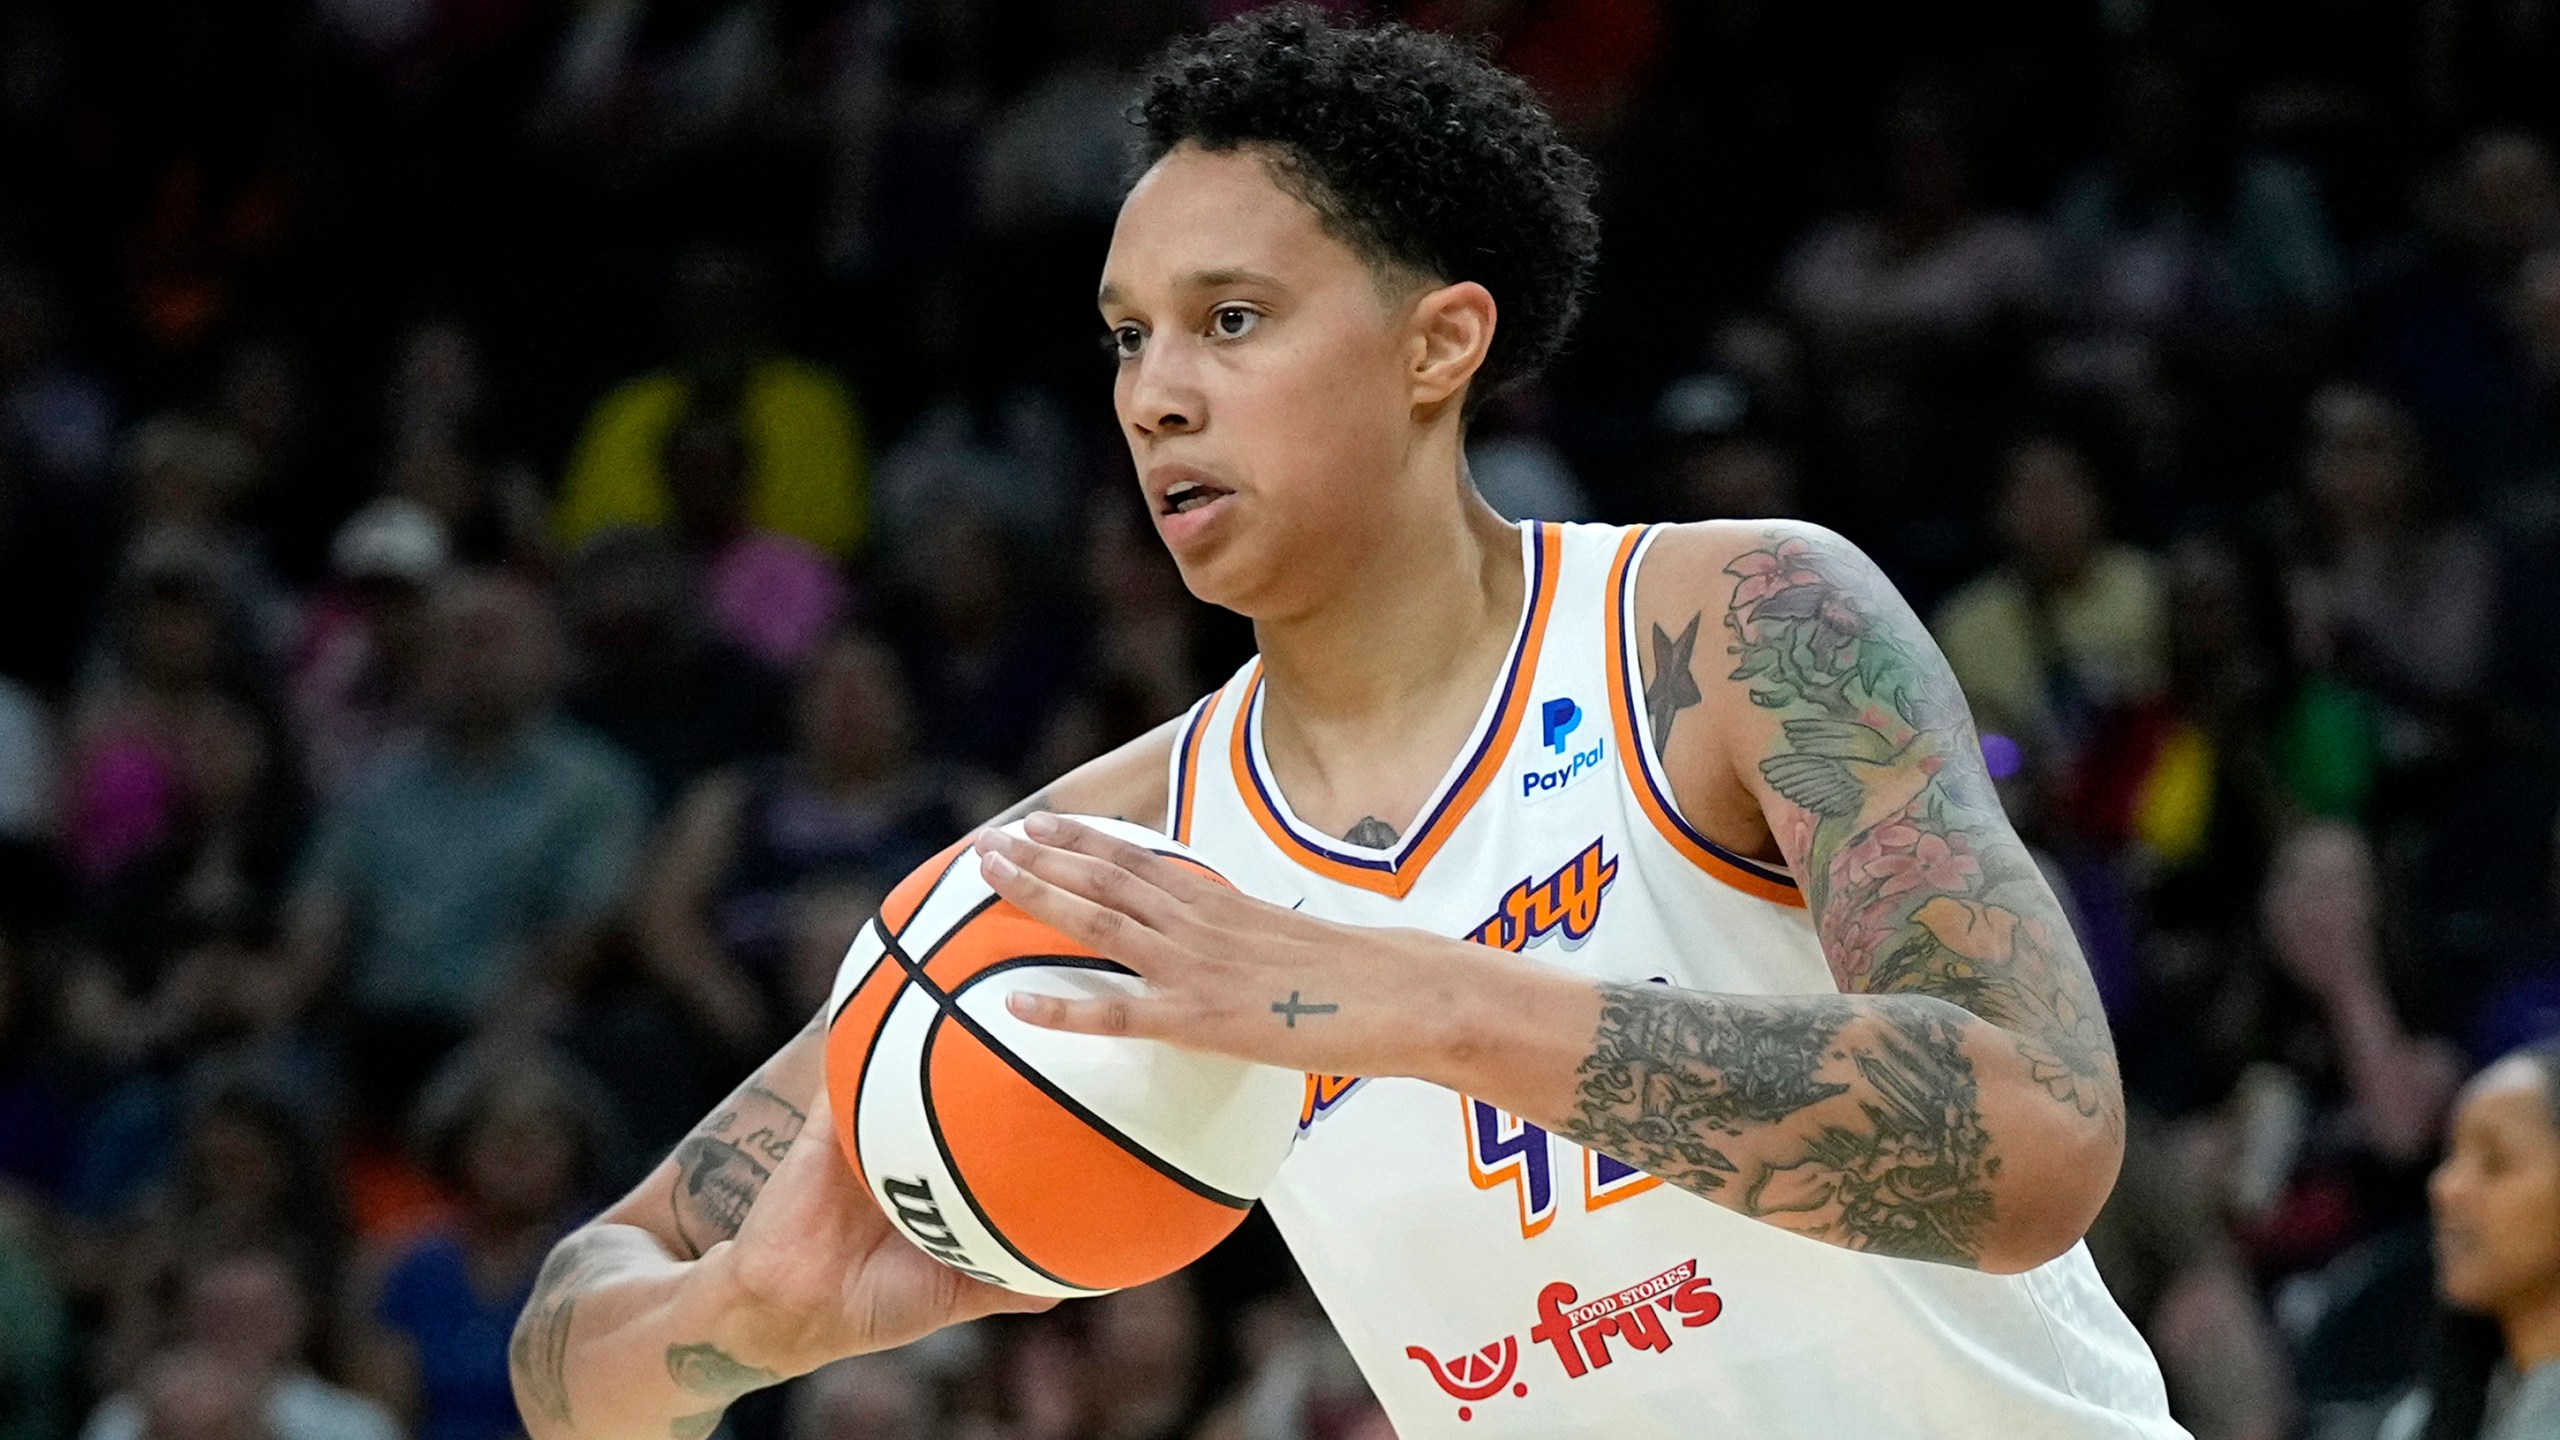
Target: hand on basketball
[1225,972]
[817,1273]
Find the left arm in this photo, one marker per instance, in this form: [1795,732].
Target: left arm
[1956,1101]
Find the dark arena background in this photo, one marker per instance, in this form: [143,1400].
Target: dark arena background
[705,396]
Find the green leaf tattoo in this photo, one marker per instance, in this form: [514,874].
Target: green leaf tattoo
[706,1369]
[1854,1120]
[1915,879]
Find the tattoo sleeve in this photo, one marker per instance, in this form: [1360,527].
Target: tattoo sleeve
[1855,1118]
[1917,883]
[723,1165]
[539,1351]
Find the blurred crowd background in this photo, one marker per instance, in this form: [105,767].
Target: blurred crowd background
[518,519]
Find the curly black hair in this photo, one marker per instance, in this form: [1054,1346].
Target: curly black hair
[1415,150]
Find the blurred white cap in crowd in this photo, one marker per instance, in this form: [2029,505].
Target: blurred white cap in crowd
[390,539]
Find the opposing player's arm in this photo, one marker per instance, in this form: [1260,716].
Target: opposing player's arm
[747,1257]
[1959,1100]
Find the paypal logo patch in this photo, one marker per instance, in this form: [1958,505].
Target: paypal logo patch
[1558,719]
[1562,717]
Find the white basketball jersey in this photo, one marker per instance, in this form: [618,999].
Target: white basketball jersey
[1497,1280]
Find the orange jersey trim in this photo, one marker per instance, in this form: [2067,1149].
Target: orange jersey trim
[1187,774]
[1749,876]
[1394,875]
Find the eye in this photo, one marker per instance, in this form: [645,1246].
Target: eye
[1123,342]
[1233,322]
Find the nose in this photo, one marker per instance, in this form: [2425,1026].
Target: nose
[1160,393]
[2444,1188]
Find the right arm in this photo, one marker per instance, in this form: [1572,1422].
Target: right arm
[747,1258]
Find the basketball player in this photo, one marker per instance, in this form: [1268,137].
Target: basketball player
[1698,1050]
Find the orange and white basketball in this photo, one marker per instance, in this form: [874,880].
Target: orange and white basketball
[1048,1163]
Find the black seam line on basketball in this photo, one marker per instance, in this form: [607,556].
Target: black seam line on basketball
[880,927]
[951,1167]
[1048,1087]
[889,944]
[890,949]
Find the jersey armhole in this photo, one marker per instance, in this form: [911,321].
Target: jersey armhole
[1646,777]
[1184,781]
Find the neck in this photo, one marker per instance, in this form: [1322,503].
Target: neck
[2532,1331]
[1401,628]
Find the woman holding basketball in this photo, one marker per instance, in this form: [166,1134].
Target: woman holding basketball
[1791,1098]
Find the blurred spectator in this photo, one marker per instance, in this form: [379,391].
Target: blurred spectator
[2386,593]
[2349,1166]
[2192,786]
[771,595]
[2070,628]
[1723,458]
[191,482]
[804,440]
[523,1140]
[27,780]
[445,450]
[2171,1265]
[1913,313]
[36,1363]
[1927,265]
[649,677]
[1058,152]
[2168,241]
[2496,1202]
[39,1102]
[461,880]
[192,1394]
[353,686]
[1143,1373]
[748,844]
[1517,469]
[262,397]
[252,1174]
[250,1310]
[1147,638]
[159,730]
[176,925]
[876,1397]
[438,394]
[1589,60]
[1298,1380]
[2437,306]
[987,663]
[55,417]
[983,442]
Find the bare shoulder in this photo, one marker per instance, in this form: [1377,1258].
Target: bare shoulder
[1128,783]
[1704,565]
[1700,711]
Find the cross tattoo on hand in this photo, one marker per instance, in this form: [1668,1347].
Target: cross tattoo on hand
[1292,1009]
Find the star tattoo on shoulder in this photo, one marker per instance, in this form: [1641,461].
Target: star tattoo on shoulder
[1674,687]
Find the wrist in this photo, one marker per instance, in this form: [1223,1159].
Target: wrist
[726,1310]
[1491,1024]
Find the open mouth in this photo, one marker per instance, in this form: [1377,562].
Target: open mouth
[1187,495]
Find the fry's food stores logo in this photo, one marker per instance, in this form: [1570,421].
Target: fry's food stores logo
[1579,1331]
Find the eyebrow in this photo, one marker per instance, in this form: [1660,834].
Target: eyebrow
[1201,280]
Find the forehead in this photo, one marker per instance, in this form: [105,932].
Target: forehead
[1199,213]
[2510,1093]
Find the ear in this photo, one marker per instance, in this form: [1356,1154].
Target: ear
[1452,331]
